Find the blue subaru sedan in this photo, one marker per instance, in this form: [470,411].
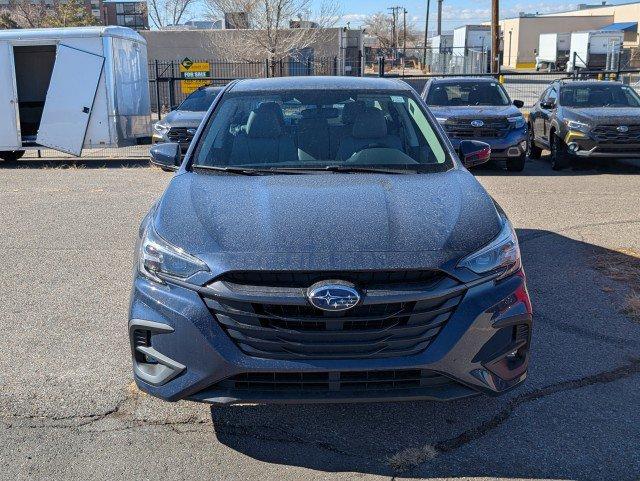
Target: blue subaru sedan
[321,241]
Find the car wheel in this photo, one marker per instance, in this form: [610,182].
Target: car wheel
[560,157]
[533,151]
[11,155]
[516,164]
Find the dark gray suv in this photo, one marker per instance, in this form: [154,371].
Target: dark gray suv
[321,242]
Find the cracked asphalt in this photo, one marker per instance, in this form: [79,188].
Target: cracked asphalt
[69,410]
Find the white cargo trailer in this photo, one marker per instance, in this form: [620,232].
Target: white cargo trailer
[591,49]
[553,50]
[440,52]
[72,88]
[476,37]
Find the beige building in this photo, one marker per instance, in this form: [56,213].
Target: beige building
[520,35]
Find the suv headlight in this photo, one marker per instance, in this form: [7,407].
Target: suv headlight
[156,255]
[160,128]
[502,253]
[516,122]
[577,125]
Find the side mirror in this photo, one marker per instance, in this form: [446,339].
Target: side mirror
[474,152]
[518,103]
[548,104]
[166,156]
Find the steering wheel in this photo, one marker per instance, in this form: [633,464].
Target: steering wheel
[373,145]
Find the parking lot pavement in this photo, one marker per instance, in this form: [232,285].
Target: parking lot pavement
[68,409]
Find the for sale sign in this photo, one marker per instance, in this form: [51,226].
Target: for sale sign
[192,71]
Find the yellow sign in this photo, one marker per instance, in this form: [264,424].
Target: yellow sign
[191,72]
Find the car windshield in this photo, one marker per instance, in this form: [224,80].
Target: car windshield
[466,93]
[200,100]
[321,130]
[587,96]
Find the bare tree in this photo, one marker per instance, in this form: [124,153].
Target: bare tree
[270,34]
[380,25]
[29,14]
[165,13]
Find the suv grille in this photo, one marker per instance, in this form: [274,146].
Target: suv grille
[462,128]
[335,381]
[180,134]
[610,133]
[395,318]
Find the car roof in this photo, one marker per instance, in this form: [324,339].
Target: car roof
[464,79]
[319,83]
[573,83]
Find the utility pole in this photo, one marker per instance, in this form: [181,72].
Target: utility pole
[439,17]
[404,34]
[394,30]
[495,36]
[426,33]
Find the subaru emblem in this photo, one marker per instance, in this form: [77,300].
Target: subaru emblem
[333,296]
[622,128]
[477,123]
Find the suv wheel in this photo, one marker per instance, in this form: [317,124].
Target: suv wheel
[560,157]
[11,155]
[533,151]
[516,164]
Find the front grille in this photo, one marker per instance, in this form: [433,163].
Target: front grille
[393,319]
[610,133]
[180,134]
[462,128]
[335,381]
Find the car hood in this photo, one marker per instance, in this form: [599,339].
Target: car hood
[183,118]
[630,115]
[327,221]
[475,112]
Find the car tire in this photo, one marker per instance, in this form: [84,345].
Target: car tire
[560,157]
[533,151]
[516,164]
[11,155]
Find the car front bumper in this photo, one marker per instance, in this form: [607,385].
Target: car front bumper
[590,148]
[193,357]
[512,145]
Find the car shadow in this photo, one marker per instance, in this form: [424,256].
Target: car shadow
[542,167]
[524,433]
[75,163]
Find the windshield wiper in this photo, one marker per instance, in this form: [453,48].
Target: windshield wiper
[247,170]
[356,168]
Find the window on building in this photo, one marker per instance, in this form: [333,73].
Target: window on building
[131,14]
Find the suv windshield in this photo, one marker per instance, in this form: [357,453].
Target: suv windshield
[321,129]
[598,96]
[200,100]
[466,93]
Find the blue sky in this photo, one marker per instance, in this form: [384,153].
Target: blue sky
[456,12]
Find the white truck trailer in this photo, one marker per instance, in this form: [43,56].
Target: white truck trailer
[553,51]
[440,52]
[471,49]
[72,88]
[591,49]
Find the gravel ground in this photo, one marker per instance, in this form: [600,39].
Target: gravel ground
[69,410]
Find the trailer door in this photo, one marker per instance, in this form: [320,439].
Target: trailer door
[69,101]
[9,138]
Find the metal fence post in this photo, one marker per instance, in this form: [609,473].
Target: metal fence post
[158,90]
[266,67]
[172,93]
[308,65]
[381,66]
[335,66]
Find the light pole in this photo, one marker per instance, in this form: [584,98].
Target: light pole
[426,32]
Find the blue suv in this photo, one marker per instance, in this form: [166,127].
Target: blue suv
[480,109]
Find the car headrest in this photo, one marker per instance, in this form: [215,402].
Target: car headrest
[266,121]
[439,96]
[370,124]
[351,110]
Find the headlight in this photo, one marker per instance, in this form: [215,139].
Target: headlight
[160,128]
[517,122]
[576,125]
[503,253]
[156,255]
